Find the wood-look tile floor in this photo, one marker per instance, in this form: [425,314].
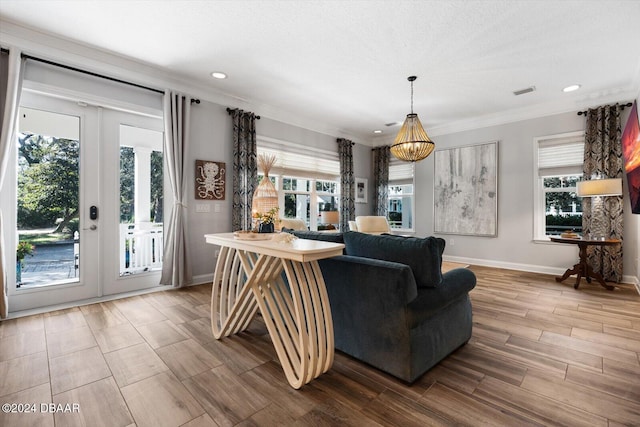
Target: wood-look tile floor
[541,353]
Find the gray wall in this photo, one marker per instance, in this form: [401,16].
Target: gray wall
[514,247]
[211,139]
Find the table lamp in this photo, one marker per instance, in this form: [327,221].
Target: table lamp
[599,188]
[330,217]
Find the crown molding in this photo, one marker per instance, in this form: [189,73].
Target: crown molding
[587,101]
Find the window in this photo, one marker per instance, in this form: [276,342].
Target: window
[297,199]
[401,196]
[557,208]
[306,179]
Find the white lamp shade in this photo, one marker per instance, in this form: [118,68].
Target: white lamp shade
[600,187]
[330,217]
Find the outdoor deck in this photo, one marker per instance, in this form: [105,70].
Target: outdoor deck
[49,263]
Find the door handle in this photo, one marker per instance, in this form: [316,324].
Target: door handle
[91,227]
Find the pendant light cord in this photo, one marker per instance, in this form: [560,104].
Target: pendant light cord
[411,96]
[411,79]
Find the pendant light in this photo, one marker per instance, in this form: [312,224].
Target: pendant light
[412,143]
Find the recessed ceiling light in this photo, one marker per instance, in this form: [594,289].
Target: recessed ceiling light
[218,75]
[377,131]
[571,88]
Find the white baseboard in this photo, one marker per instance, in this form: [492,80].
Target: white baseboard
[556,271]
[202,279]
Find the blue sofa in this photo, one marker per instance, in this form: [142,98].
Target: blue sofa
[391,305]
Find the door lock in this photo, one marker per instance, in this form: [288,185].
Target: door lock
[93,212]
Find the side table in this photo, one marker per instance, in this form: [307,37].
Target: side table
[582,268]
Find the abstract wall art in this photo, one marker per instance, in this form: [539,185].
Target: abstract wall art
[631,151]
[466,190]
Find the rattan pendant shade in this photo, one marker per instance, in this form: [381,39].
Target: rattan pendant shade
[412,143]
[265,198]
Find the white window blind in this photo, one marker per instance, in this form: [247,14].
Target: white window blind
[300,161]
[400,172]
[561,156]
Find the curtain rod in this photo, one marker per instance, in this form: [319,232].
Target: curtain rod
[90,73]
[230,110]
[628,104]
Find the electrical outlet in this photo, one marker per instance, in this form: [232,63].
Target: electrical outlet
[217,253]
[216,208]
[452,242]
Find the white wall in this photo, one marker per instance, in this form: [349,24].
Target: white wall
[514,246]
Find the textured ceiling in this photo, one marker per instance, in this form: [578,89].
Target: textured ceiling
[344,63]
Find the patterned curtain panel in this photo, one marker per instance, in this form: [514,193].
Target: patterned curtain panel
[347,183]
[245,167]
[603,159]
[381,157]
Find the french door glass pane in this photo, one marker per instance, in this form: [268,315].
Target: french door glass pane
[48,198]
[141,201]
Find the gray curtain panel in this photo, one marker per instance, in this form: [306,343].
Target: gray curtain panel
[176,265]
[603,158]
[381,157]
[347,183]
[245,168]
[11,70]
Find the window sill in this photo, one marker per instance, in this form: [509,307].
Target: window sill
[543,241]
[402,231]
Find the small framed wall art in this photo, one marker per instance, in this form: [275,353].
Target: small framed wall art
[361,190]
[210,180]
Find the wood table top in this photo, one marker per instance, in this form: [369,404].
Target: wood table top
[579,240]
[302,250]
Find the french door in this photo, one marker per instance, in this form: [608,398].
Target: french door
[134,213]
[82,201]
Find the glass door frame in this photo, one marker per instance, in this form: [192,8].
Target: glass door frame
[89,283]
[113,282]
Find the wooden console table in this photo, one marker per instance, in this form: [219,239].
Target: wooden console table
[582,268]
[249,278]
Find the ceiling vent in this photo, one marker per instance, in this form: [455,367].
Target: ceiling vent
[393,124]
[525,90]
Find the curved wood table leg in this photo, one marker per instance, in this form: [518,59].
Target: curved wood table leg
[576,269]
[296,312]
[599,278]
